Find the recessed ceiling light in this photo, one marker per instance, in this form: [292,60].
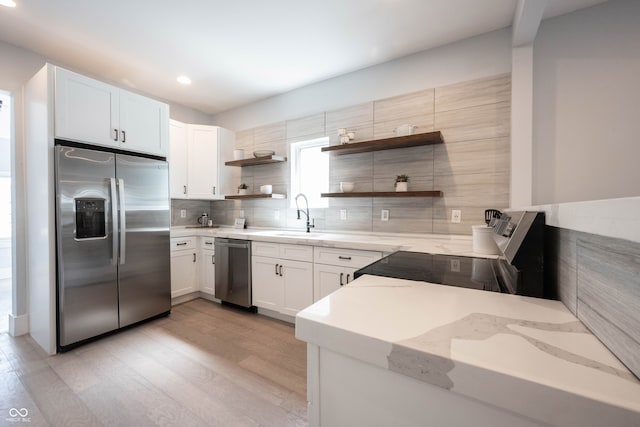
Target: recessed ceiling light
[8,3]
[184,80]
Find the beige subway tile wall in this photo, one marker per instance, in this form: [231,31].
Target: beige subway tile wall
[472,167]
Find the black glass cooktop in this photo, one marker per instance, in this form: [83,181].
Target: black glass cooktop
[465,272]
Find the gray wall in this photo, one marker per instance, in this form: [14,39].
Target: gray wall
[586,91]
[481,56]
[472,167]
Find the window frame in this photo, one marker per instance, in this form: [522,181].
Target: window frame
[295,172]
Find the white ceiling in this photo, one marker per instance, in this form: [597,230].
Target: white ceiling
[239,51]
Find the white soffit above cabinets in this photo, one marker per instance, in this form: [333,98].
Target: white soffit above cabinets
[237,52]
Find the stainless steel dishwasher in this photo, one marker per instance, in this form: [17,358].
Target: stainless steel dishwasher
[233,271]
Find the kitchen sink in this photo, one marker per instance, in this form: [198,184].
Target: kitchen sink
[299,234]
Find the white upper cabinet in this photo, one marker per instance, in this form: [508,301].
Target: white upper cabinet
[202,151]
[144,124]
[178,159]
[93,112]
[85,109]
[196,161]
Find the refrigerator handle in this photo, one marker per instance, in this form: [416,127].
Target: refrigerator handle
[123,223]
[114,222]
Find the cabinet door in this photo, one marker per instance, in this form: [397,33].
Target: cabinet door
[86,110]
[183,273]
[329,278]
[143,124]
[202,162]
[266,284]
[178,160]
[208,272]
[298,286]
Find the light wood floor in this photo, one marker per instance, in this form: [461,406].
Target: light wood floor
[204,365]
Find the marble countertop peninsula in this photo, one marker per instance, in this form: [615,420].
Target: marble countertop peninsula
[526,355]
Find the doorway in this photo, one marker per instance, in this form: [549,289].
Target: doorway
[6,130]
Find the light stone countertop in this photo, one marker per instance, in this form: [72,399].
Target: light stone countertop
[526,355]
[384,242]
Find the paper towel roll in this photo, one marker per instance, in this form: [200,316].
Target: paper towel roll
[483,242]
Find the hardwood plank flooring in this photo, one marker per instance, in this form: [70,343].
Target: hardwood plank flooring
[204,365]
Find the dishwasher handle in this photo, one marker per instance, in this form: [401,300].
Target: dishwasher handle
[227,244]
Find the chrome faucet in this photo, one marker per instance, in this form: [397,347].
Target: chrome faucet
[309,224]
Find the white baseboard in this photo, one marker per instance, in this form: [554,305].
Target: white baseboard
[276,315]
[184,298]
[18,325]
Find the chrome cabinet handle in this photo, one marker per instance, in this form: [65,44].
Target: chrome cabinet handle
[213,259]
[124,136]
[348,278]
[194,257]
[208,243]
[281,271]
[276,269]
[346,258]
[117,136]
[181,244]
[341,274]
[184,191]
[213,189]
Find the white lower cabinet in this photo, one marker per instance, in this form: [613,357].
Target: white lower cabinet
[330,278]
[207,261]
[184,277]
[334,268]
[280,284]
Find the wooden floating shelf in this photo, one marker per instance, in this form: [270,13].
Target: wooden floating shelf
[417,140]
[256,161]
[386,194]
[255,196]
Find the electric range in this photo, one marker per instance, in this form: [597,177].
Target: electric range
[517,270]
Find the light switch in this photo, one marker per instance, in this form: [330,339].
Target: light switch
[343,214]
[384,215]
[183,213]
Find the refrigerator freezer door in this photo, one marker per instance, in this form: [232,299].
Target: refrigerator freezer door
[145,276]
[87,273]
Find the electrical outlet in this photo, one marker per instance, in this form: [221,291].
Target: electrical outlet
[455,265]
[343,214]
[241,214]
[384,215]
[183,213]
[276,214]
[456,216]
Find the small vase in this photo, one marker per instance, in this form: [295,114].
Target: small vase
[401,186]
[242,191]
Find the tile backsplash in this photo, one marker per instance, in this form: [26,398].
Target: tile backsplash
[472,167]
[597,279]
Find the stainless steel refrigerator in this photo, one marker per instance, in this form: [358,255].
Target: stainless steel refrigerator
[112,233]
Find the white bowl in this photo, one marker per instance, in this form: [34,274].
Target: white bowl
[346,187]
[266,189]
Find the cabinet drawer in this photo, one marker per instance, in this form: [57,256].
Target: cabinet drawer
[182,243]
[345,257]
[282,251]
[207,243]
[296,252]
[265,249]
